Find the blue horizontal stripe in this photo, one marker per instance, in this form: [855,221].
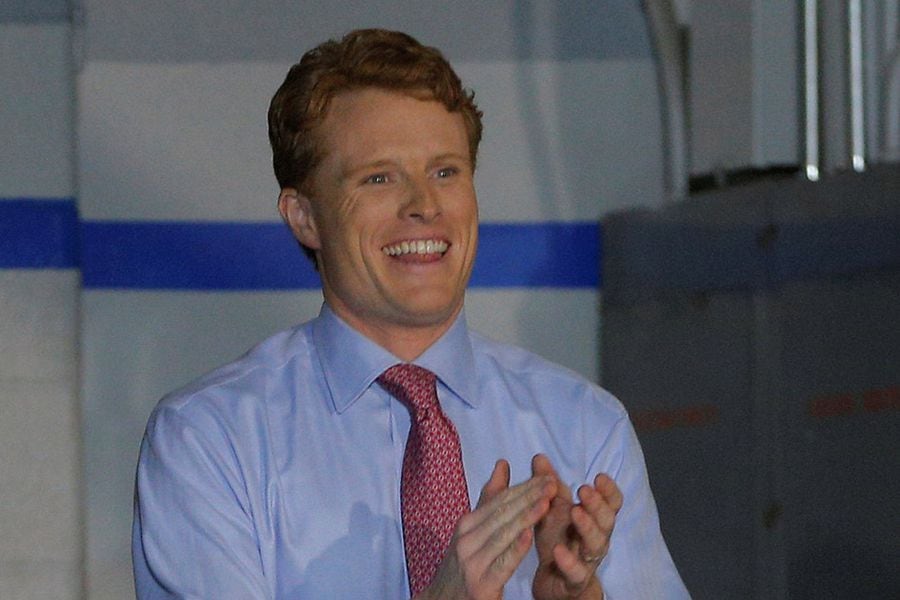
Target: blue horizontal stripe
[642,254]
[38,234]
[193,256]
[538,255]
[41,234]
[254,256]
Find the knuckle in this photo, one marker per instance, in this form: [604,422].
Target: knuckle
[465,546]
[501,539]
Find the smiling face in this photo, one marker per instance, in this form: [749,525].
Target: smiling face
[391,214]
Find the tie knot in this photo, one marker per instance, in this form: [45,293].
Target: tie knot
[412,385]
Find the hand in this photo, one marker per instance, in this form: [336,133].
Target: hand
[573,539]
[490,542]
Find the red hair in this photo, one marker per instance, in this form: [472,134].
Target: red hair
[363,58]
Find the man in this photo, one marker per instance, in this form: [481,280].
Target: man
[339,459]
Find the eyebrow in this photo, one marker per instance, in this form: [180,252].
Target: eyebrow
[351,170]
[452,155]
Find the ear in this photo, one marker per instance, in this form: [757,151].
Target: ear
[296,210]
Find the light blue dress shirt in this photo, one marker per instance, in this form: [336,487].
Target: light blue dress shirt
[278,475]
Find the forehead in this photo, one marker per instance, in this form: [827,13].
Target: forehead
[369,121]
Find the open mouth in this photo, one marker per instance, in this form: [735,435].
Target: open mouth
[419,247]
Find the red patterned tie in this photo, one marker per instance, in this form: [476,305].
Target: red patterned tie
[433,493]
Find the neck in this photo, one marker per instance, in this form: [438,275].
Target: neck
[406,341]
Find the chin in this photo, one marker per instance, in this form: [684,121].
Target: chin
[426,315]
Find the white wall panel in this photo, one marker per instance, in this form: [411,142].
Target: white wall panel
[27,580]
[36,112]
[38,430]
[560,325]
[177,142]
[40,489]
[212,31]
[563,140]
[38,324]
[567,140]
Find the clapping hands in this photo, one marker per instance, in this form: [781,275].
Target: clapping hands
[490,542]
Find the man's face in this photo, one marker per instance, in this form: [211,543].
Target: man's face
[392,213]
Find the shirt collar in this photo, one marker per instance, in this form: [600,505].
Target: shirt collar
[452,360]
[351,362]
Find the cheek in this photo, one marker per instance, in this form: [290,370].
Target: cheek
[462,205]
[469,215]
[359,238]
[343,226]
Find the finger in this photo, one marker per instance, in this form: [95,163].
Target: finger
[460,572]
[576,573]
[498,482]
[594,538]
[492,541]
[604,484]
[597,506]
[541,465]
[595,517]
[507,504]
[492,573]
[491,529]
[500,547]
[504,564]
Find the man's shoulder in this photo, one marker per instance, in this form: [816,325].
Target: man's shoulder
[520,361]
[247,378]
[531,370]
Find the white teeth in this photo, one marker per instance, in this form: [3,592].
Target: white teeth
[416,247]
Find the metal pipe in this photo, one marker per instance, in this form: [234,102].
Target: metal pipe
[670,77]
[811,86]
[857,108]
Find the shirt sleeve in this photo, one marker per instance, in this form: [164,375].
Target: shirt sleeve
[638,565]
[193,533]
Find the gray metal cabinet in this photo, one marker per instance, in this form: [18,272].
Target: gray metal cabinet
[754,335]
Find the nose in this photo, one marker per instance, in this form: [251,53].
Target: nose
[421,201]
